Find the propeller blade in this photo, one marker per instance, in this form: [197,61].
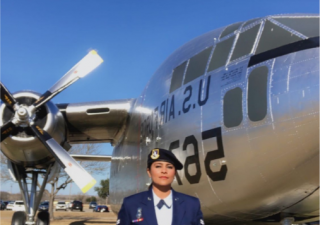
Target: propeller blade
[77,173]
[91,61]
[6,130]
[7,97]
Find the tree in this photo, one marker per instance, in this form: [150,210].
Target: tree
[4,175]
[103,190]
[91,199]
[91,167]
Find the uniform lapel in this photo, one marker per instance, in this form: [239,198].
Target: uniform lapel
[149,214]
[178,208]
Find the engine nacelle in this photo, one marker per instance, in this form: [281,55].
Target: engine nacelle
[22,147]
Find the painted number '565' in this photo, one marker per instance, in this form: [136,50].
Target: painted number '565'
[211,155]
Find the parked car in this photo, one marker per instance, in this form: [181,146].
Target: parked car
[6,203]
[2,206]
[10,205]
[18,206]
[61,206]
[44,206]
[76,205]
[101,208]
[69,205]
[92,205]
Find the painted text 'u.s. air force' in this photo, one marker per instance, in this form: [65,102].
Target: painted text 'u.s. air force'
[168,109]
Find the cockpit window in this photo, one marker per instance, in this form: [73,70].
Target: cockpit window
[232,108]
[257,93]
[274,37]
[230,29]
[306,26]
[177,77]
[250,21]
[221,53]
[245,43]
[197,65]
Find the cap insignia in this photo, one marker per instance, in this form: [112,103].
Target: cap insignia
[155,153]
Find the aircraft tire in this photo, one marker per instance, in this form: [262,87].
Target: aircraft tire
[43,218]
[18,218]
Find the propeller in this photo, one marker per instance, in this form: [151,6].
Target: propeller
[81,69]
[24,116]
[7,129]
[79,175]
[7,97]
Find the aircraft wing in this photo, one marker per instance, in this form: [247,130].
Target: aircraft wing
[100,158]
[96,122]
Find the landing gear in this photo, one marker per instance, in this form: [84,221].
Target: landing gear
[18,218]
[43,218]
[31,198]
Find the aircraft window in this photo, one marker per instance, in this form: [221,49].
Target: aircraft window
[257,93]
[274,37]
[232,107]
[306,26]
[197,65]
[250,21]
[245,42]
[230,29]
[220,54]
[177,77]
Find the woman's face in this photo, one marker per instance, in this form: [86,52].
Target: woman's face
[161,173]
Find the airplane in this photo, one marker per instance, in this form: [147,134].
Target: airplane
[238,106]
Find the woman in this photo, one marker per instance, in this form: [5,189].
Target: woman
[161,205]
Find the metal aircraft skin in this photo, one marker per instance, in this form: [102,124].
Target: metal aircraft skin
[243,161]
[238,106]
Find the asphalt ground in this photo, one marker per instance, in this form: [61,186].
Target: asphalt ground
[86,217]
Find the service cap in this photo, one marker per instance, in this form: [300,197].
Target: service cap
[159,154]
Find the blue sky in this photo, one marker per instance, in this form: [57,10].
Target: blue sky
[42,40]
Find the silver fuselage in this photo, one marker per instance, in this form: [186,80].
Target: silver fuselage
[251,170]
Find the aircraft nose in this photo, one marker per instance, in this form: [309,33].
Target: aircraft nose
[294,105]
[295,90]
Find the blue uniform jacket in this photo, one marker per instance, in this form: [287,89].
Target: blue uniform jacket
[139,209]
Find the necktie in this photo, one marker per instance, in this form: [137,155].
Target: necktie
[160,204]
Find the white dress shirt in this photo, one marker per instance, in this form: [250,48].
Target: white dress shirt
[164,215]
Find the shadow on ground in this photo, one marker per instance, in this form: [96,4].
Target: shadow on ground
[84,222]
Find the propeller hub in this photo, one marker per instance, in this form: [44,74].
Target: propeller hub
[23,117]
[22,113]
[22,146]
